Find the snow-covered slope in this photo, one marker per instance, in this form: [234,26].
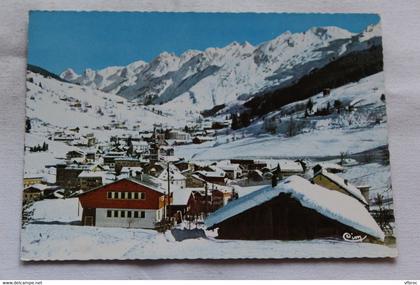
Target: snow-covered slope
[69,105]
[362,129]
[215,76]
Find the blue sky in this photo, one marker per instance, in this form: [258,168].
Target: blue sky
[80,40]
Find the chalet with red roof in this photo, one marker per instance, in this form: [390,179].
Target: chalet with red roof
[126,203]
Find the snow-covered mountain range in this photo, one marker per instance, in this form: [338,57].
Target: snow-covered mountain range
[216,76]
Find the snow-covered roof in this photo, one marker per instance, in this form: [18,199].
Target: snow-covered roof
[181,196]
[32,176]
[204,138]
[332,204]
[86,174]
[329,165]
[169,158]
[76,151]
[285,165]
[211,173]
[226,165]
[175,174]
[38,186]
[146,182]
[127,169]
[139,143]
[350,188]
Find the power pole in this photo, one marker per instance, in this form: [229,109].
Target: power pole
[205,200]
[169,190]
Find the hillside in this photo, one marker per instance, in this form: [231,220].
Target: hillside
[359,125]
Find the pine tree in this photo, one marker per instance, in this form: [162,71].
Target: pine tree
[337,105]
[235,124]
[383,98]
[274,180]
[291,128]
[278,170]
[28,125]
[130,146]
[27,213]
[309,105]
[245,120]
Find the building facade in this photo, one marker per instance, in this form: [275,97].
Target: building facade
[126,203]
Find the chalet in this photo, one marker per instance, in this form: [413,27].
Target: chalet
[232,170]
[216,175]
[120,162]
[194,181]
[67,176]
[75,156]
[256,175]
[199,203]
[154,152]
[63,136]
[334,182]
[140,147]
[283,167]
[37,192]
[183,165]
[134,172]
[90,156]
[202,139]
[147,136]
[90,139]
[330,167]
[176,179]
[90,179]
[32,193]
[202,202]
[126,203]
[31,179]
[180,198]
[166,151]
[179,135]
[295,209]
[109,158]
[249,164]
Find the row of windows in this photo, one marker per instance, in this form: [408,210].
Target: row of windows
[125,214]
[126,195]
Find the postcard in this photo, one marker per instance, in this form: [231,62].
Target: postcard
[154,135]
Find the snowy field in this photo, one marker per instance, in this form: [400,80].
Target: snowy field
[330,142]
[59,242]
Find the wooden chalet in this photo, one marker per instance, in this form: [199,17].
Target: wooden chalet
[295,209]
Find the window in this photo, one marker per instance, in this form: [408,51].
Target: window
[115,214]
[136,214]
[142,195]
[142,214]
[129,195]
[109,213]
[136,196]
[128,214]
[115,195]
[122,214]
[109,195]
[123,195]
